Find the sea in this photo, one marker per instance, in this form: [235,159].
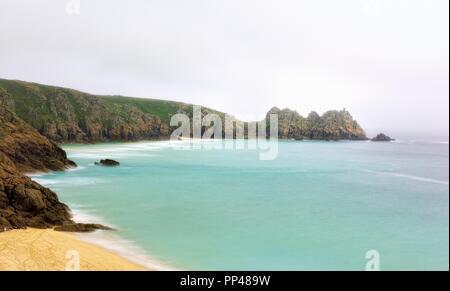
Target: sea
[216,205]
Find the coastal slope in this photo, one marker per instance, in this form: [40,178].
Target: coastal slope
[27,148]
[28,210]
[67,115]
[24,202]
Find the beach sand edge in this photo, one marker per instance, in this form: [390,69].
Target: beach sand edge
[48,250]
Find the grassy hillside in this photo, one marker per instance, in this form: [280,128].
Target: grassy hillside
[28,94]
[67,115]
[161,108]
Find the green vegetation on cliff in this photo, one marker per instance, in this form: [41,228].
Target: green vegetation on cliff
[23,202]
[67,115]
[332,125]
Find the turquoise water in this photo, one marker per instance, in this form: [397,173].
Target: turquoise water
[317,206]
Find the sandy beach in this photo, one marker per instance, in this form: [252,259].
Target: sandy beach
[46,249]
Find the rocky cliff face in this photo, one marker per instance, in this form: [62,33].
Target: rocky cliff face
[26,148]
[24,202]
[332,125]
[65,115]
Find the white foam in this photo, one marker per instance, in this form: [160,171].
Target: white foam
[411,177]
[45,182]
[71,181]
[125,248]
[110,241]
[37,174]
[83,214]
[75,169]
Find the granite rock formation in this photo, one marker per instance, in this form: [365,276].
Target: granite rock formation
[23,202]
[332,125]
[26,148]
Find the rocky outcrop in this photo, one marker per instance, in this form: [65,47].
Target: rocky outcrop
[23,202]
[26,148]
[332,125]
[107,163]
[382,137]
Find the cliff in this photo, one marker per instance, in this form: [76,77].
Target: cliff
[26,148]
[24,202]
[332,125]
[66,115]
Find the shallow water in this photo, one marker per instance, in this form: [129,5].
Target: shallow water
[317,206]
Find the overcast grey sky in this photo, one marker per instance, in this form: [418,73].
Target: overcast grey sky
[386,61]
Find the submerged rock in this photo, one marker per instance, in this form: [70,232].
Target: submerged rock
[81,227]
[382,137]
[107,163]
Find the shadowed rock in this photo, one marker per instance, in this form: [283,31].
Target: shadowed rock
[107,163]
[382,137]
[23,202]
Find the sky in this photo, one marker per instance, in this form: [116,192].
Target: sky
[386,61]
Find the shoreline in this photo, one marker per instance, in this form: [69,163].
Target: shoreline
[107,241]
[49,250]
[115,244]
[112,241]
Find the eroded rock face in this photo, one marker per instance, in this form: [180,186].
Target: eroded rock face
[23,202]
[332,125]
[65,115]
[26,148]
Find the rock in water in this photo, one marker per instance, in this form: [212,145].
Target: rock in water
[107,163]
[382,137]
